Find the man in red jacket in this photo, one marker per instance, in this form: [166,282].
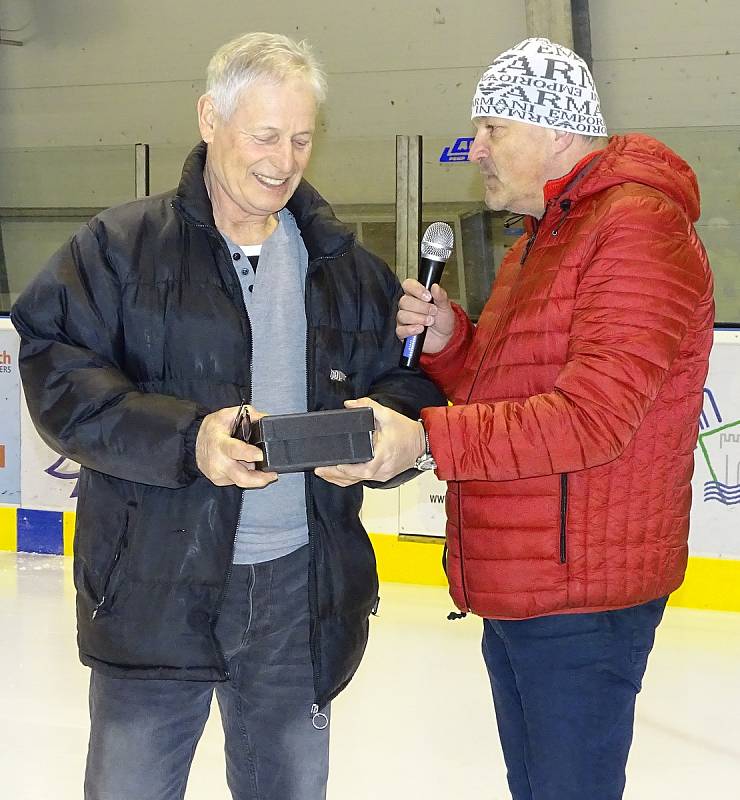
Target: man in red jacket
[568,447]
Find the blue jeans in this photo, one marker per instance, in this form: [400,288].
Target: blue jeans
[564,690]
[143,733]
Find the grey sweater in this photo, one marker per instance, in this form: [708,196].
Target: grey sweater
[272,522]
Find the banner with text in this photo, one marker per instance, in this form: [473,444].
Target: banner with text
[10,435]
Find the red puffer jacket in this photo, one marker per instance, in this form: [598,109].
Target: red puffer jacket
[576,399]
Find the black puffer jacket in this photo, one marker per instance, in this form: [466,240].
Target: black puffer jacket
[134,331]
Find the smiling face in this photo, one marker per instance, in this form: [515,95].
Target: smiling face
[515,160]
[256,157]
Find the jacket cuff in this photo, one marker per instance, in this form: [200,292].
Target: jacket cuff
[435,422]
[191,437]
[449,359]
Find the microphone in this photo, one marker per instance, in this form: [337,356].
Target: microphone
[436,248]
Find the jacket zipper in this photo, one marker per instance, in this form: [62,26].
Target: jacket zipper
[563,515]
[111,570]
[462,555]
[318,719]
[528,245]
[314,711]
[246,396]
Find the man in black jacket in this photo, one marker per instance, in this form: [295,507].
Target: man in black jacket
[195,571]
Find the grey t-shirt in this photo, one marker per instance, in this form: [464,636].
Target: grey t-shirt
[272,522]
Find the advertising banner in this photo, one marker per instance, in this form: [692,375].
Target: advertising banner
[49,480]
[10,435]
[422,511]
[715,514]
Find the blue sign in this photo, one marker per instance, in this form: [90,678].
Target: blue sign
[458,151]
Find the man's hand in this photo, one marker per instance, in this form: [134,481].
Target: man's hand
[398,442]
[416,312]
[226,461]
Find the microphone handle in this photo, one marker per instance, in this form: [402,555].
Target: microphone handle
[430,272]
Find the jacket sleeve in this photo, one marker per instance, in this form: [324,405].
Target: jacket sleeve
[444,367]
[637,298]
[72,358]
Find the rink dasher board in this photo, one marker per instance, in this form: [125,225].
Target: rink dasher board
[48,482]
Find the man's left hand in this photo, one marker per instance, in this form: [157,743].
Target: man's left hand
[397,443]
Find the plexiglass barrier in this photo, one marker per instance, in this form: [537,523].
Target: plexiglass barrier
[47,193]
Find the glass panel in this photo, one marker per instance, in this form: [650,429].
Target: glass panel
[27,242]
[452,189]
[374,225]
[453,193]
[714,155]
[166,163]
[46,193]
[380,238]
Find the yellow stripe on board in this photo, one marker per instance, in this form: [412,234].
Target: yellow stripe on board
[68,531]
[409,562]
[8,528]
[711,583]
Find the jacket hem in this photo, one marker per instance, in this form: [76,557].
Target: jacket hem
[211,674]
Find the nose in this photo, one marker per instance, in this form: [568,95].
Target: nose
[479,149]
[283,157]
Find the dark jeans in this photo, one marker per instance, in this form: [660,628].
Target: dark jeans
[564,690]
[144,732]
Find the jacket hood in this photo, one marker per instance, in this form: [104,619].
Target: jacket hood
[636,158]
[323,234]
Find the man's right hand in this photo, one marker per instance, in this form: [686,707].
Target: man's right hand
[226,461]
[416,312]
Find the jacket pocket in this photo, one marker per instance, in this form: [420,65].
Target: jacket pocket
[563,517]
[111,574]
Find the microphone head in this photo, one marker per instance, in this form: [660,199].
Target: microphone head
[437,241]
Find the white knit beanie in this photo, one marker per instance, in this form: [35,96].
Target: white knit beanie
[542,83]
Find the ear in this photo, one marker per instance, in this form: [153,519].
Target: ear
[207,118]
[562,141]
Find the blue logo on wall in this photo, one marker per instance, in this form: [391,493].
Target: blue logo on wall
[719,442]
[65,470]
[458,151]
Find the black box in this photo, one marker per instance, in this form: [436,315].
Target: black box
[299,442]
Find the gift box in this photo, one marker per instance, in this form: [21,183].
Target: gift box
[299,442]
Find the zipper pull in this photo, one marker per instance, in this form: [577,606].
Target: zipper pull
[456,615]
[376,606]
[319,720]
[97,608]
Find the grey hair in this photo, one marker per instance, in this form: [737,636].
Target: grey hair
[260,56]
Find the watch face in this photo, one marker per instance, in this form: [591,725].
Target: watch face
[425,462]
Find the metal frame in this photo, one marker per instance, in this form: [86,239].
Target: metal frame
[141,170]
[408,205]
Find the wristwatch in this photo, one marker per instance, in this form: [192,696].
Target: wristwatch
[426,460]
